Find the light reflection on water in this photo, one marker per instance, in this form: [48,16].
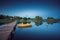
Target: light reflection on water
[44,31]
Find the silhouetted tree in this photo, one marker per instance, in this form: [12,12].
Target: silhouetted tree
[28,18]
[38,18]
[2,16]
[51,20]
[24,18]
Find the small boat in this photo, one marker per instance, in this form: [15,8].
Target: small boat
[24,25]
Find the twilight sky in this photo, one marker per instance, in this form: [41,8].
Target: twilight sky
[30,8]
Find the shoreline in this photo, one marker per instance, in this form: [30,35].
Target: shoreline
[7,30]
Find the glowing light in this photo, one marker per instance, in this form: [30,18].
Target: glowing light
[28,13]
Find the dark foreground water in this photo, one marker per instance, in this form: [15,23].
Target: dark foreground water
[41,32]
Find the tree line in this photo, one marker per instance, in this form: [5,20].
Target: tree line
[36,19]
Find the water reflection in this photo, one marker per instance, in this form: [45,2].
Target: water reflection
[28,22]
[35,32]
[51,22]
[38,23]
[38,30]
[24,22]
[41,22]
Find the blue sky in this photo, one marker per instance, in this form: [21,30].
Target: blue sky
[30,8]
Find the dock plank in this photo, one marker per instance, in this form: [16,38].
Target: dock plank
[6,30]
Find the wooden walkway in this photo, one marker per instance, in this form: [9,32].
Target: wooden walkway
[6,29]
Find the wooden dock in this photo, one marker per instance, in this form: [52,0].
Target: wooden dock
[6,29]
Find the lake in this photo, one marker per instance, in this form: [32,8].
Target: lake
[38,32]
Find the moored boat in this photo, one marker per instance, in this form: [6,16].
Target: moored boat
[24,25]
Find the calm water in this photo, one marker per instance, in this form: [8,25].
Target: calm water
[38,32]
